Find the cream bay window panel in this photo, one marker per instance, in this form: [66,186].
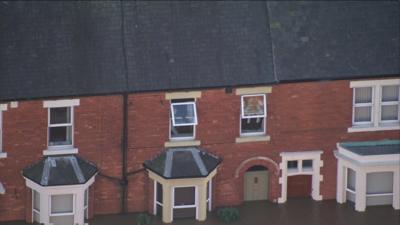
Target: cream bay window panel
[36,206]
[62,204]
[390,103]
[362,105]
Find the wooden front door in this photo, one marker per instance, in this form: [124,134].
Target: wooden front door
[256,185]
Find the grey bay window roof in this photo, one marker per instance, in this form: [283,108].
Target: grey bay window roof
[71,48]
[183,162]
[367,148]
[60,170]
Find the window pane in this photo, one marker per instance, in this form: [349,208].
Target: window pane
[62,220]
[363,95]
[351,179]
[36,200]
[362,114]
[253,106]
[390,93]
[252,125]
[184,213]
[62,203]
[184,114]
[159,193]
[379,182]
[60,136]
[36,217]
[390,112]
[184,196]
[60,115]
[86,198]
[292,164]
[182,131]
[307,163]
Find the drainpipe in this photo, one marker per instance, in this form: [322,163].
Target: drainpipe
[124,149]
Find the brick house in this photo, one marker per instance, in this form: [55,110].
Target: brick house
[178,108]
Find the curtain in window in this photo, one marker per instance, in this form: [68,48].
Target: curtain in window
[363,95]
[362,114]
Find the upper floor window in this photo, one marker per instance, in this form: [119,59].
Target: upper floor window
[376,105]
[253,114]
[60,126]
[183,119]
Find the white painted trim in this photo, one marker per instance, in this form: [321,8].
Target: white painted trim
[2,189]
[209,200]
[365,159]
[256,116]
[250,117]
[61,103]
[70,124]
[364,83]
[3,154]
[60,151]
[299,156]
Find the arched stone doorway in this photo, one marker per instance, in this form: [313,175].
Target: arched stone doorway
[260,166]
[255,184]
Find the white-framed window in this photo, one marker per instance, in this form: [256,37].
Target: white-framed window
[86,203]
[184,202]
[390,98]
[60,130]
[376,105]
[183,119]
[62,209]
[35,206]
[253,114]
[363,105]
[158,198]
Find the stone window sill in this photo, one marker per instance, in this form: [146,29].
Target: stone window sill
[252,139]
[3,155]
[169,144]
[365,129]
[60,151]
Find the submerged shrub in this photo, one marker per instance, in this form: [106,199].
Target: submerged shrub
[143,219]
[228,214]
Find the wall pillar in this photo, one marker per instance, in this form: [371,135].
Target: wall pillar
[316,180]
[202,204]
[396,189]
[44,207]
[283,182]
[167,203]
[361,190]
[79,217]
[341,183]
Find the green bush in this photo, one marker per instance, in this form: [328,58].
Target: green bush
[143,219]
[228,214]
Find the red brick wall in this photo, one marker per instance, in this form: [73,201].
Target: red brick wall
[301,117]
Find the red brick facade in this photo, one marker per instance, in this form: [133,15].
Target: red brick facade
[300,117]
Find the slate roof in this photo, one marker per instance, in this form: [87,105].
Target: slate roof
[72,48]
[365,148]
[185,162]
[60,170]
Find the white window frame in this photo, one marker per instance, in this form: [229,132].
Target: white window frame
[3,107]
[61,149]
[251,117]
[184,103]
[86,203]
[377,124]
[51,214]
[172,118]
[209,198]
[196,201]
[156,203]
[71,124]
[388,103]
[33,205]
[355,105]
